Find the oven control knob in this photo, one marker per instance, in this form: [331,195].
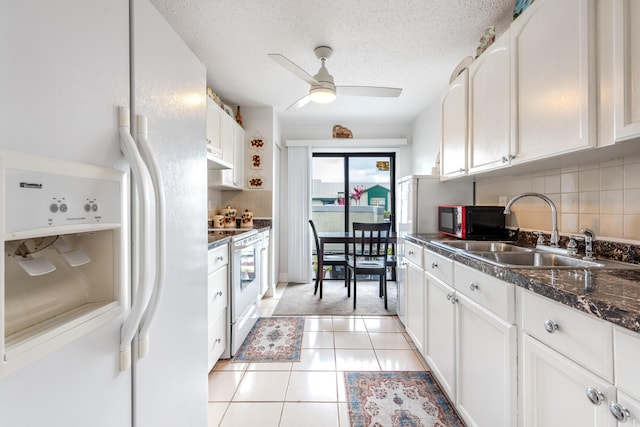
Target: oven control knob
[53,208]
[94,207]
[63,207]
[87,207]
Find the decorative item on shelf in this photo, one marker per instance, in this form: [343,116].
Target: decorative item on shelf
[486,40]
[228,110]
[256,142]
[520,6]
[463,65]
[246,219]
[229,217]
[256,161]
[341,132]
[255,181]
[238,116]
[214,97]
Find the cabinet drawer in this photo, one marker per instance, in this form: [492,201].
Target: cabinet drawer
[626,348]
[217,337]
[582,338]
[413,253]
[218,257]
[217,291]
[493,294]
[438,266]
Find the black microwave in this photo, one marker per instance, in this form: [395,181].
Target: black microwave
[473,222]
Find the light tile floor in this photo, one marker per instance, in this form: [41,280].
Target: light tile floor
[310,392]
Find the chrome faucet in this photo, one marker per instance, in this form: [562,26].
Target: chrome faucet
[555,237]
[588,243]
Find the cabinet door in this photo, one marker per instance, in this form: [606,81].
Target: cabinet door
[440,332]
[627,69]
[228,150]
[489,113]
[554,390]
[486,349]
[633,406]
[415,305]
[453,149]
[238,156]
[553,79]
[217,337]
[213,126]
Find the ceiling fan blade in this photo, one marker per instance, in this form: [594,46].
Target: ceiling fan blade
[293,68]
[299,103]
[389,92]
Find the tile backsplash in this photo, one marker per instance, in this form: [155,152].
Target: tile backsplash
[257,201]
[604,197]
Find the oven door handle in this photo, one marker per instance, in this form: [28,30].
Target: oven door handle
[156,180]
[143,289]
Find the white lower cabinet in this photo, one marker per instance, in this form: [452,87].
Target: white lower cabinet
[441,344]
[415,305]
[485,365]
[556,389]
[217,295]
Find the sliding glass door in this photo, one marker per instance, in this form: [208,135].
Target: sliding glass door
[352,187]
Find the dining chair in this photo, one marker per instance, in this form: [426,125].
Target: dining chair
[368,254]
[331,259]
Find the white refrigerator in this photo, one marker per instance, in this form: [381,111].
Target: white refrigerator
[67,67]
[419,197]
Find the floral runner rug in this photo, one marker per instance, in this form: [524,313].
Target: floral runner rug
[273,339]
[407,399]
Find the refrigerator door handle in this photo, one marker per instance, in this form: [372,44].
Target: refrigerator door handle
[156,179]
[143,290]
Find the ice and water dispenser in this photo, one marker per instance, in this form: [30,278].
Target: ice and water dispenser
[63,271]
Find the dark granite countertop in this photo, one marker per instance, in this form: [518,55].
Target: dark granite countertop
[612,295]
[219,237]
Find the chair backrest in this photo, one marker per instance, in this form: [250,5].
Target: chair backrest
[371,239]
[315,236]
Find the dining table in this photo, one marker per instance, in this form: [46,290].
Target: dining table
[345,238]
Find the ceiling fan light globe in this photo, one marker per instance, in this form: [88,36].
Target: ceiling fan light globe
[322,95]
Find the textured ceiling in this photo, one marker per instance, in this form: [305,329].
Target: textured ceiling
[412,44]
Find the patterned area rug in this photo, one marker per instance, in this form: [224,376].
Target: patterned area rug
[273,339]
[402,399]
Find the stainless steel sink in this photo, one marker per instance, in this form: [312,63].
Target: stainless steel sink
[476,246]
[535,260]
[508,255]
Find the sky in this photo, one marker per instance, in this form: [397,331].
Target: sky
[361,170]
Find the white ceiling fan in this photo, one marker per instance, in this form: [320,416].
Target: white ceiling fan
[323,90]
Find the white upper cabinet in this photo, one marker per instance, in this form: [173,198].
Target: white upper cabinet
[214,142]
[453,147]
[626,38]
[489,113]
[231,154]
[553,79]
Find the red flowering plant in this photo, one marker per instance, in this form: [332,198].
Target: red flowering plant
[340,200]
[357,193]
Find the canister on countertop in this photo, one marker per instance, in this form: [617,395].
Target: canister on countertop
[247,219]
[218,221]
[229,217]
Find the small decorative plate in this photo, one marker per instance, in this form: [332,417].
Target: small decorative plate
[256,161]
[256,143]
[255,181]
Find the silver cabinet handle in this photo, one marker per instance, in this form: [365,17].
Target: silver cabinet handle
[619,412]
[473,286]
[594,396]
[550,326]
[219,293]
[434,265]
[411,252]
[462,170]
[220,258]
[452,298]
[218,340]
